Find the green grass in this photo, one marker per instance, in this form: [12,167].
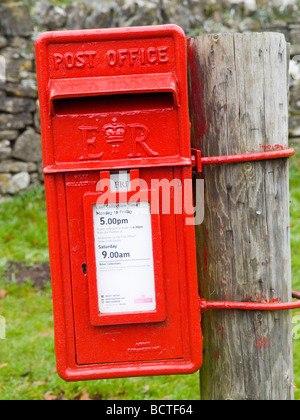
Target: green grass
[295,216]
[295,245]
[27,357]
[23,233]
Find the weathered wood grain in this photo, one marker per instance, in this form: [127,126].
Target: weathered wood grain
[239,104]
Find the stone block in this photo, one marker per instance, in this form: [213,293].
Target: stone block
[294,126]
[17,65]
[5,149]
[135,12]
[101,15]
[17,105]
[295,99]
[14,166]
[4,183]
[50,16]
[9,134]
[18,182]
[76,15]
[34,181]
[15,121]
[28,147]
[3,41]
[295,36]
[15,20]
[25,89]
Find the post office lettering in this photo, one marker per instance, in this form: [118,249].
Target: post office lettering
[79,60]
[137,56]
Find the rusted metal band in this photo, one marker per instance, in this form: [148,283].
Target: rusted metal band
[199,161]
[251,306]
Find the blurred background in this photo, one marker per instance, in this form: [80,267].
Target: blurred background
[27,360]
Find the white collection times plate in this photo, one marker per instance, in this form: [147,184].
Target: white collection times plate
[124,257]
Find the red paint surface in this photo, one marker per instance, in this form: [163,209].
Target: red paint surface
[221,330]
[250,306]
[246,157]
[117,99]
[263,343]
[217,355]
[199,161]
[270,147]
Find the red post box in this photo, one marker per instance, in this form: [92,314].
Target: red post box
[115,130]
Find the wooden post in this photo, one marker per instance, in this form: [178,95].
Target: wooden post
[239,104]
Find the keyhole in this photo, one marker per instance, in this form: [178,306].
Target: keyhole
[84,269]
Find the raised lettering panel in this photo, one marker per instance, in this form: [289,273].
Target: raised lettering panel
[110,137]
[111,58]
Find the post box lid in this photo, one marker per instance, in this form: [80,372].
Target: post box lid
[113,98]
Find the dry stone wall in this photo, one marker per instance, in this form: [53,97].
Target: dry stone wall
[20,23]
[20,142]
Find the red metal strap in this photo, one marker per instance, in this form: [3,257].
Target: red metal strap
[250,306]
[199,161]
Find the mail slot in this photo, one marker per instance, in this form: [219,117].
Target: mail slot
[116,153]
